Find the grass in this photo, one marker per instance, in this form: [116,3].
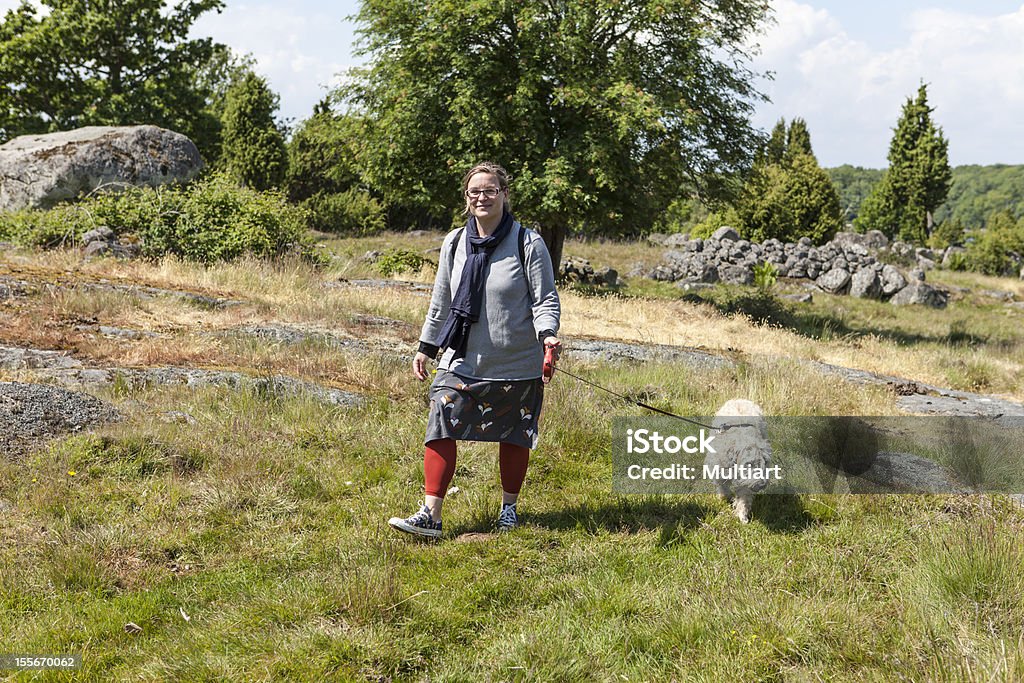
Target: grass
[252,544]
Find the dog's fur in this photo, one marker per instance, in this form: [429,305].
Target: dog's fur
[744,441]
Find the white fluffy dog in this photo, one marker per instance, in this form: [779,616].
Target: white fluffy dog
[742,442]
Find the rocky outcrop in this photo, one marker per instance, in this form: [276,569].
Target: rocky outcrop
[103,242]
[845,265]
[32,413]
[38,171]
[579,270]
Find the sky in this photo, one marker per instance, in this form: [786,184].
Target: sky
[845,67]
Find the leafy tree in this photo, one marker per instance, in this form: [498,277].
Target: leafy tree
[787,195]
[254,152]
[600,109]
[904,202]
[321,154]
[108,63]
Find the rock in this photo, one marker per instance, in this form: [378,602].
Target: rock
[875,239]
[865,284]
[834,281]
[103,234]
[800,298]
[909,473]
[916,274]
[96,248]
[892,280]
[606,276]
[950,254]
[675,240]
[917,292]
[902,249]
[32,413]
[726,233]
[925,263]
[736,275]
[38,171]
[657,238]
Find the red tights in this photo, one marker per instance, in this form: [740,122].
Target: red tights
[439,466]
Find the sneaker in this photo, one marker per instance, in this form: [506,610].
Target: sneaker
[507,519]
[420,524]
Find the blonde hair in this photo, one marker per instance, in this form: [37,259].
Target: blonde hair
[493,169]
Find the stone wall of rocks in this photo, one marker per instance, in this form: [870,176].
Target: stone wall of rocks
[848,264]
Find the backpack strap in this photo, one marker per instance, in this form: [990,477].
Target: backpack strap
[522,256]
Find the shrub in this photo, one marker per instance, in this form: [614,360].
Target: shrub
[395,261]
[765,275]
[212,220]
[999,248]
[353,211]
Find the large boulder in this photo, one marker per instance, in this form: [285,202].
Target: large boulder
[38,171]
[866,284]
[835,281]
[892,280]
[920,293]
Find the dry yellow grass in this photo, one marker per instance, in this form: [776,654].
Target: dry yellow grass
[291,292]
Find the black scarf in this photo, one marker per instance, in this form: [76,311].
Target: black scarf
[466,302]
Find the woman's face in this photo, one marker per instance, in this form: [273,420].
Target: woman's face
[482,206]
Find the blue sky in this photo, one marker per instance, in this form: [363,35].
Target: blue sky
[846,67]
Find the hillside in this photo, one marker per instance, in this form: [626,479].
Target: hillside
[976,191]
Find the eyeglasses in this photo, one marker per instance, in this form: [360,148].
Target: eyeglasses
[476,193]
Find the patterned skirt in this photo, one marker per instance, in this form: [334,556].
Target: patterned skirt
[484,410]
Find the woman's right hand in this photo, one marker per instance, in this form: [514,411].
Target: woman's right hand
[419,366]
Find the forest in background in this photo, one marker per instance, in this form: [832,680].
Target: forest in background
[975,194]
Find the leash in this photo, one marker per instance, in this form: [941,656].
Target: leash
[639,403]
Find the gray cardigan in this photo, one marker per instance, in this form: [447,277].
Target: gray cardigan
[503,343]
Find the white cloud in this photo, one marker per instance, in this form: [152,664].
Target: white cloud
[300,49]
[851,93]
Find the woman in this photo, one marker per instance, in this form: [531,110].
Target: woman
[493,310]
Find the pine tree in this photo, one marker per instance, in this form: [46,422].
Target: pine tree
[254,152]
[798,139]
[788,195]
[918,179]
[776,147]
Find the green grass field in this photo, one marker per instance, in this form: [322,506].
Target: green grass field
[253,544]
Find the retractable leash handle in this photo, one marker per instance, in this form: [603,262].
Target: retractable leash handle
[550,358]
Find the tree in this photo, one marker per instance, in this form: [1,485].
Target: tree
[254,152]
[108,63]
[918,178]
[798,139]
[787,195]
[323,177]
[602,110]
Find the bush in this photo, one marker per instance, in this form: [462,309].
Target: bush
[353,211]
[999,248]
[212,220]
[395,261]
[715,221]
